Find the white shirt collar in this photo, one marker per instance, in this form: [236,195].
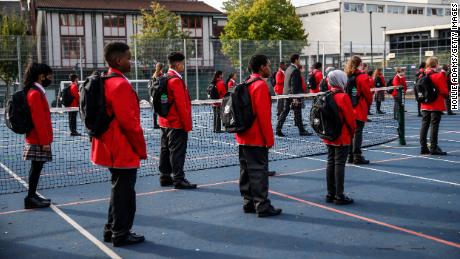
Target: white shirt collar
[282,71]
[179,75]
[232,80]
[39,86]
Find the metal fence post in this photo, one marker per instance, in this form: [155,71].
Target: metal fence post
[281,51]
[81,58]
[185,63]
[401,119]
[324,58]
[241,66]
[18,49]
[317,51]
[420,55]
[196,71]
[351,48]
[136,73]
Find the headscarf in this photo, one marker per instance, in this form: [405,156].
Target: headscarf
[337,78]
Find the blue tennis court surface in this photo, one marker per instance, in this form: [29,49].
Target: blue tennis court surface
[406,206]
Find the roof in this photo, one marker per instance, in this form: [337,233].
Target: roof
[177,6]
[10,6]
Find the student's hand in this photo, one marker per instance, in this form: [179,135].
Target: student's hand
[46,148]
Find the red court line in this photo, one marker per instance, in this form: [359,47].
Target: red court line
[394,227]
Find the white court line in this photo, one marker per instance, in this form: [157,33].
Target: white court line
[68,219]
[387,172]
[416,156]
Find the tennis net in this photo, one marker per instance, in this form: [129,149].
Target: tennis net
[71,163]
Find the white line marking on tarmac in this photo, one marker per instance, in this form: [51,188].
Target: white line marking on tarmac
[416,156]
[68,219]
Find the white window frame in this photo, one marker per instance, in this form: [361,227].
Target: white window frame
[348,7]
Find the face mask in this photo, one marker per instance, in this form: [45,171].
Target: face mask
[46,82]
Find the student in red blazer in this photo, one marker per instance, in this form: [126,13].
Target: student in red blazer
[318,75]
[37,141]
[432,112]
[338,148]
[279,86]
[420,73]
[158,72]
[231,81]
[399,80]
[175,127]
[379,96]
[75,103]
[121,147]
[221,90]
[363,85]
[255,142]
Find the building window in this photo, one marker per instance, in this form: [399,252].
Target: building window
[375,8]
[415,10]
[434,11]
[448,12]
[395,9]
[71,24]
[114,26]
[192,22]
[71,47]
[353,7]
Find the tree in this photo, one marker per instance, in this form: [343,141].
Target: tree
[260,25]
[160,34]
[12,28]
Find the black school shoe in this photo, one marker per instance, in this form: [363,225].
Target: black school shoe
[107,236]
[35,203]
[184,184]
[305,133]
[360,160]
[270,212]
[350,159]
[42,199]
[249,208]
[75,134]
[424,151]
[130,239]
[438,152]
[280,134]
[166,181]
[271,173]
[330,198]
[343,200]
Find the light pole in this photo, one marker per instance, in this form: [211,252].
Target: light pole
[384,49]
[372,54]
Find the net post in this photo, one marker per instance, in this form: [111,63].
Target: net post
[401,119]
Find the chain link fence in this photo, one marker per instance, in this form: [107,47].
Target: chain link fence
[78,55]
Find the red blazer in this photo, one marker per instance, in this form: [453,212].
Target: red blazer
[364,91]
[123,144]
[346,116]
[231,83]
[221,90]
[398,81]
[75,94]
[261,132]
[180,112]
[42,131]
[304,85]
[279,86]
[440,82]
[318,77]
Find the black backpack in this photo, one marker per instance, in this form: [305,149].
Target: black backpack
[212,91]
[93,111]
[236,112]
[66,96]
[312,81]
[390,83]
[324,116]
[378,82]
[158,91]
[425,89]
[352,89]
[323,85]
[17,113]
[273,78]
